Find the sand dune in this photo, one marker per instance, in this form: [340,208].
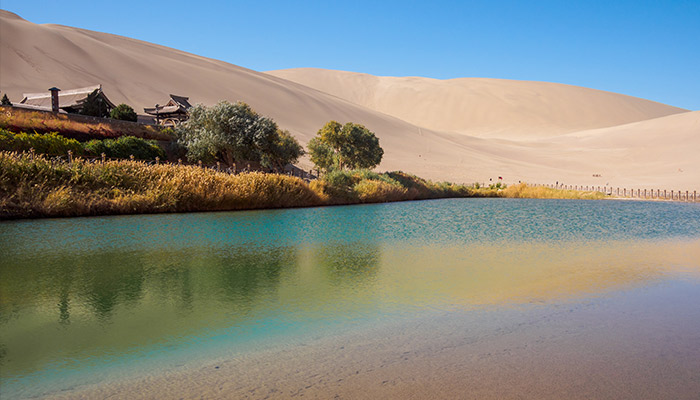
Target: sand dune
[35,57]
[483,107]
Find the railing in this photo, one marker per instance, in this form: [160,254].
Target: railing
[631,193]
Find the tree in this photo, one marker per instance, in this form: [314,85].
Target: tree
[349,146]
[5,101]
[235,133]
[123,112]
[285,149]
[95,105]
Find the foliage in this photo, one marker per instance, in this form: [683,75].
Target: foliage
[125,147]
[5,101]
[365,186]
[235,133]
[37,186]
[95,105]
[49,143]
[349,146]
[322,155]
[285,149]
[123,112]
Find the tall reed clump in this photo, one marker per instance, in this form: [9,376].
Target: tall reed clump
[523,190]
[35,186]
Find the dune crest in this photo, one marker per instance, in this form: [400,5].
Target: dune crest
[483,107]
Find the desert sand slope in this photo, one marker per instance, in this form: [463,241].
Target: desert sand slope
[483,107]
[35,57]
[657,153]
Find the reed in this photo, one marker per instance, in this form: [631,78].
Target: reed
[33,185]
[36,186]
[523,190]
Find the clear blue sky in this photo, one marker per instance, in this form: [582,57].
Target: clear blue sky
[649,49]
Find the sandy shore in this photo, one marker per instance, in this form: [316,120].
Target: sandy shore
[628,345]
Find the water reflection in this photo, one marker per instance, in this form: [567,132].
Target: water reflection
[64,302]
[350,264]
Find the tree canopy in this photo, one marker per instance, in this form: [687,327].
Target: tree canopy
[348,146]
[235,133]
[123,112]
[95,105]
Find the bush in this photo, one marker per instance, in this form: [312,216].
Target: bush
[48,143]
[123,112]
[124,147]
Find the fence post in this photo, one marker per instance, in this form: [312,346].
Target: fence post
[157,160]
[70,158]
[686,195]
[694,194]
[218,166]
[103,155]
[31,153]
[179,161]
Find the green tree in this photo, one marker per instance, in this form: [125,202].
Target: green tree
[95,105]
[123,112]
[5,101]
[348,146]
[285,149]
[235,133]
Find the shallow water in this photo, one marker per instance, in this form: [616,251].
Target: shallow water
[83,300]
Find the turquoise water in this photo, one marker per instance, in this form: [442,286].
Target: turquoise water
[88,299]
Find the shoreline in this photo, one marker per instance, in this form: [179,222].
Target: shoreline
[33,186]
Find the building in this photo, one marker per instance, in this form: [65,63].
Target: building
[173,112]
[70,101]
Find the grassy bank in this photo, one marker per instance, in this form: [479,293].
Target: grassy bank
[36,186]
[76,126]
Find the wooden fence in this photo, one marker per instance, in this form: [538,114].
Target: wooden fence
[631,193]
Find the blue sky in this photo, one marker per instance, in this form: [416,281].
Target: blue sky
[648,49]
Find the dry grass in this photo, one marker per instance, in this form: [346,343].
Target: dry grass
[37,186]
[76,126]
[522,190]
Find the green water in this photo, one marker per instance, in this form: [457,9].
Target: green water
[87,299]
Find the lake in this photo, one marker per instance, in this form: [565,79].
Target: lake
[556,296]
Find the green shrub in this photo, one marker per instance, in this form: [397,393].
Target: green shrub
[47,143]
[124,147]
[123,112]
